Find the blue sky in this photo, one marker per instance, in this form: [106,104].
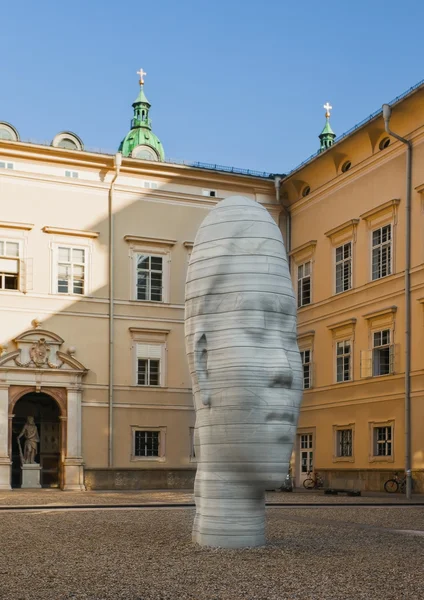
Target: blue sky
[232,82]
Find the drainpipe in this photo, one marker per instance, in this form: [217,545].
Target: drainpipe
[387,111]
[277,183]
[117,164]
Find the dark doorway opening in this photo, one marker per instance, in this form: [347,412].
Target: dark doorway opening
[46,414]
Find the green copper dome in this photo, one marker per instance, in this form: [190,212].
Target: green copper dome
[141,142]
[327,135]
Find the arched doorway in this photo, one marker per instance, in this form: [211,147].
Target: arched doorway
[46,413]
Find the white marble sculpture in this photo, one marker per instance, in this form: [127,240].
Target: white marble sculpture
[240,327]
[30,432]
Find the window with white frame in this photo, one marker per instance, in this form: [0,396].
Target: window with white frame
[382,252]
[9,264]
[382,353]
[344,443]
[72,174]
[146,443]
[343,267]
[149,364]
[306,356]
[383,440]
[304,284]
[343,360]
[149,277]
[6,165]
[71,270]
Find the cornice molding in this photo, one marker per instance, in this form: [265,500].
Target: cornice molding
[136,239]
[71,232]
[348,224]
[381,312]
[15,225]
[341,324]
[369,214]
[188,244]
[306,246]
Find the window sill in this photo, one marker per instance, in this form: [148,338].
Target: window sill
[349,459]
[150,387]
[375,459]
[148,459]
[150,302]
[304,306]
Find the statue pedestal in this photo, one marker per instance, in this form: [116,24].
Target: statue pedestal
[31,476]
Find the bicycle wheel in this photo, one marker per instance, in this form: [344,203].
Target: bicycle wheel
[309,483]
[391,486]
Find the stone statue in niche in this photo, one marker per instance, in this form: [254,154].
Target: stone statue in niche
[240,328]
[30,432]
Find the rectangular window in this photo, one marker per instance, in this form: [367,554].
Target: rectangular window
[192,449]
[71,268]
[9,265]
[344,361]
[344,443]
[304,284]
[382,252]
[149,277]
[307,368]
[382,353]
[6,165]
[153,185]
[344,268]
[149,364]
[146,443]
[383,441]
[210,193]
[73,174]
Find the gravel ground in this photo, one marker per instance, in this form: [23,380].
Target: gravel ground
[334,553]
[20,497]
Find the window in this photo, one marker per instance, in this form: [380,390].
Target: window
[192,449]
[344,268]
[71,270]
[344,443]
[146,443]
[382,252]
[153,185]
[343,360]
[382,353]
[211,193]
[306,191]
[385,142]
[346,166]
[73,174]
[149,277]
[9,265]
[6,165]
[306,356]
[304,284]
[149,357]
[383,441]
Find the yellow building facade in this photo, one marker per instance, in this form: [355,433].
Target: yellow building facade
[347,249]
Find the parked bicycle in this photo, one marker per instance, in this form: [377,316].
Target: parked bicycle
[396,484]
[313,481]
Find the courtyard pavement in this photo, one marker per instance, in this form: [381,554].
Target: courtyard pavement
[313,552]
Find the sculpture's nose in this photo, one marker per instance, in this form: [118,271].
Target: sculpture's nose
[282,375]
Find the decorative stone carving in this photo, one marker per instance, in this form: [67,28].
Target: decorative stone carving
[240,327]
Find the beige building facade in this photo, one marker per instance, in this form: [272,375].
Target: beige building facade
[129,426]
[348,225]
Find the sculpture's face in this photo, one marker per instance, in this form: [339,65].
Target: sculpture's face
[241,342]
[30,420]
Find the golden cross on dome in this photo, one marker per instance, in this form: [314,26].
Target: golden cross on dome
[327,109]
[142,74]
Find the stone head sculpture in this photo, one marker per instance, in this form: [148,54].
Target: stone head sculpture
[240,328]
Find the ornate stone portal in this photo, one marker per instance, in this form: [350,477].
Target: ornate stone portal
[37,364]
[240,326]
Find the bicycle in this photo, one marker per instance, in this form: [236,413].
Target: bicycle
[395,484]
[313,481]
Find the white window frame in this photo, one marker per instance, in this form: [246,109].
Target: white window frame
[162,444]
[309,364]
[149,255]
[18,258]
[55,267]
[165,254]
[389,244]
[71,174]
[300,303]
[342,262]
[162,364]
[209,193]
[374,427]
[8,166]
[342,356]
